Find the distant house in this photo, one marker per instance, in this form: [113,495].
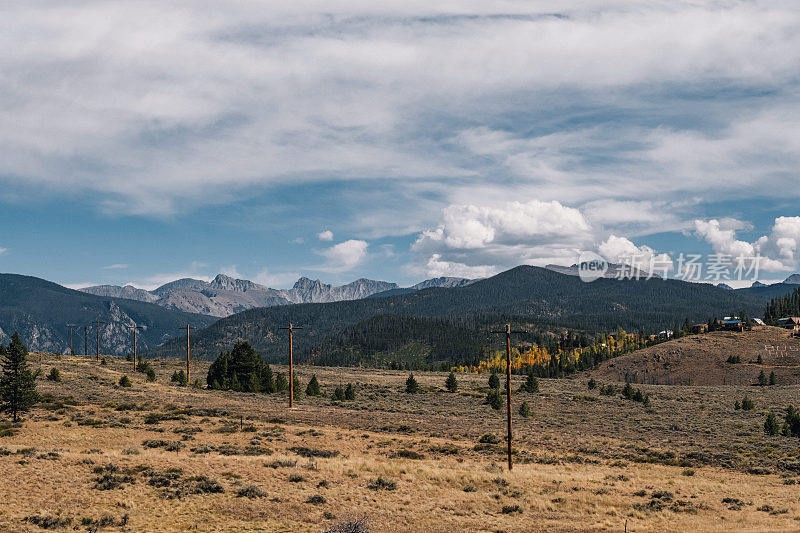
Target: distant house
[791,323]
[666,334]
[759,322]
[733,324]
[699,328]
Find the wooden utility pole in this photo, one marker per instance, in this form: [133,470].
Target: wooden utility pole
[98,339]
[134,328]
[71,327]
[508,389]
[291,329]
[188,357]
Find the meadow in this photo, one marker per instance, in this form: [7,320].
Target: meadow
[160,457]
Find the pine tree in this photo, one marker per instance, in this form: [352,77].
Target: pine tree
[297,387]
[531,383]
[18,382]
[338,394]
[412,387]
[772,378]
[451,383]
[494,380]
[124,381]
[525,410]
[771,425]
[494,399]
[762,379]
[281,383]
[267,381]
[350,392]
[313,386]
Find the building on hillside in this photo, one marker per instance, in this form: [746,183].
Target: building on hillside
[666,334]
[699,328]
[733,324]
[792,323]
[759,322]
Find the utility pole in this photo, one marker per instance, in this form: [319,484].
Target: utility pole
[291,329]
[508,388]
[71,327]
[134,328]
[98,338]
[188,327]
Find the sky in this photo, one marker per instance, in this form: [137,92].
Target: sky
[141,142]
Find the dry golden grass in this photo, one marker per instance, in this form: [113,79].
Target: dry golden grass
[578,463]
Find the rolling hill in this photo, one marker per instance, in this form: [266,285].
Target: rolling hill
[702,360]
[39,311]
[535,297]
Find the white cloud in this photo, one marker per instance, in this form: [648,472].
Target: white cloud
[435,268]
[485,239]
[326,235]
[115,266]
[622,251]
[344,256]
[231,271]
[276,280]
[778,251]
[3,250]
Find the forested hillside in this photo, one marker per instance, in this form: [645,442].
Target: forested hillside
[786,306]
[536,297]
[40,310]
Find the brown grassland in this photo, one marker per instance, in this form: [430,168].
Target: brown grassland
[158,457]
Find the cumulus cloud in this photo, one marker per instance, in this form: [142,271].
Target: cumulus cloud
[231,271]
[623,251]
[326,235]
[778,251]
[481,239]
[344,256]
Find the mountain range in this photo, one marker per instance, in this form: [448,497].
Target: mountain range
[225,296]
[455,323]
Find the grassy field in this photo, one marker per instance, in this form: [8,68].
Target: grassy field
[158,457]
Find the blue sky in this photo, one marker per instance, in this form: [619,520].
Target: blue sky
[142,142]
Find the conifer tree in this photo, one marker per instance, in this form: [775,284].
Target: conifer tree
[412,387]
[18,382]
[313,386]
[281,383]
[531,383]
[350,392]
[494,380]
[451,383]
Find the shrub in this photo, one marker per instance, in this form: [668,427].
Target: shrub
[313,387]
[124,381]
[524,410]
[451,384]
[592,384]
[531,384]
[103,362]
[350,392]
[771,425]
[382,484]
[179,377]
[494,399]
[734,359]
[54,375]
[489,438]
[608,390]
[772,378]
[760,360]
[250,491]
[494,380]
[150,373]
[338,394]
[349,526]
[737,405]
[792,421]
[412,387]
[747,404]
[316,499]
